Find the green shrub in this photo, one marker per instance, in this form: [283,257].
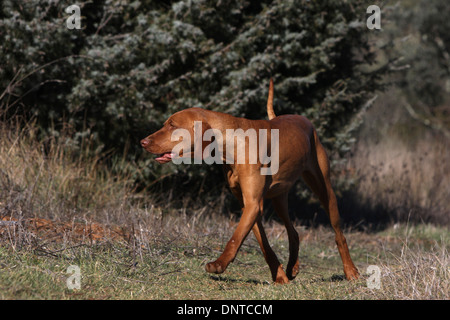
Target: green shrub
[132,64]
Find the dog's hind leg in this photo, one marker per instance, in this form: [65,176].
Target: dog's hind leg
[318,179]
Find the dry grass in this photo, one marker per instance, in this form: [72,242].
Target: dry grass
[401,167]
[403,181]
[165,257]
[417,274]
[49,180]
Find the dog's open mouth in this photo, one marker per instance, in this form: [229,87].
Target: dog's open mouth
[164,157]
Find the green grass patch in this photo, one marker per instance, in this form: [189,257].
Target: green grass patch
[156,270]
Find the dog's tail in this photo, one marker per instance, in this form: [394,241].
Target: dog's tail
[270,112]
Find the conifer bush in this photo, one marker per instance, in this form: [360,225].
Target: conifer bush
[134,63]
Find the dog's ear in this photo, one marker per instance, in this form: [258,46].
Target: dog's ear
[205,126]
[200,127]
[212,145]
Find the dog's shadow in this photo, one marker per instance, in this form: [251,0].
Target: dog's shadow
[333,278]
[234,280]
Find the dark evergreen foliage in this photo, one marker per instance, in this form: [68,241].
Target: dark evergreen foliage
[134,63]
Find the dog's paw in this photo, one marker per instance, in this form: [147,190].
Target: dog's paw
[292,271]
[351,273]
[214,267]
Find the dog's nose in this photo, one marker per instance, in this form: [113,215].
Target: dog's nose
[144,143]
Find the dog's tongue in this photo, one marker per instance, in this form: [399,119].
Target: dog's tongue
[165,157]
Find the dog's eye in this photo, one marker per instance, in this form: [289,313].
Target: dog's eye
[170,123]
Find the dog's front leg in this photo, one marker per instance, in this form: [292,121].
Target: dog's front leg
[250,214]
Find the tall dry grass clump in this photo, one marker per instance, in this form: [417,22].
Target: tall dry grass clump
[401,167]
[419,275]
[421,270]
[48,179]
[395,179]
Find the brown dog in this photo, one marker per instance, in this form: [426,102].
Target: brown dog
[298,153]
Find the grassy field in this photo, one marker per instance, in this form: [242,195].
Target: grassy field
[58,210]
[169,264]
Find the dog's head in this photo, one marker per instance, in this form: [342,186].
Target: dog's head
[176,138]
